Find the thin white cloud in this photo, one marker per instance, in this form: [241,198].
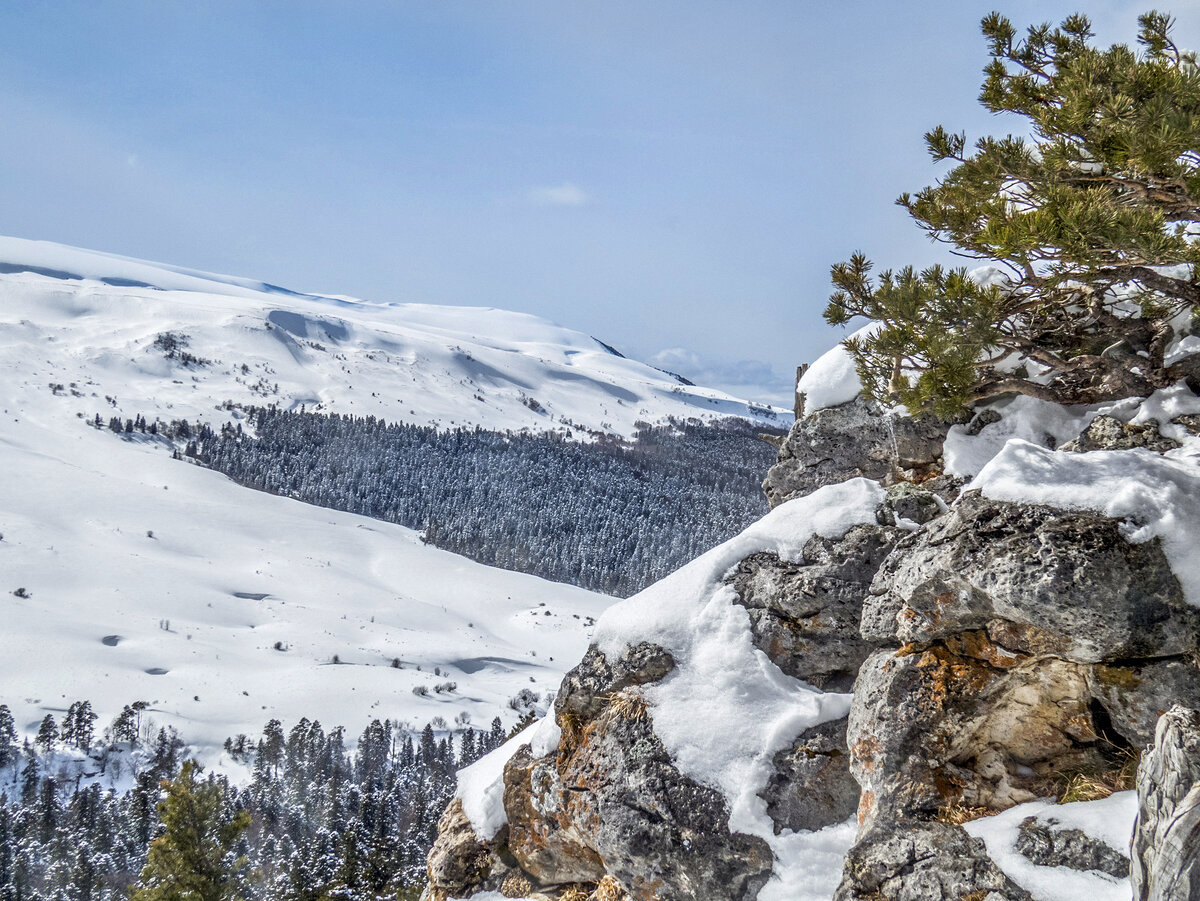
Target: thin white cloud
[566,194]
[751,379]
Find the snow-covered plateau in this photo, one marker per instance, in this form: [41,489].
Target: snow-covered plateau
[128,576]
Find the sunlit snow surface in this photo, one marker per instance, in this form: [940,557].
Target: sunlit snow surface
[422,364]
[1109,821]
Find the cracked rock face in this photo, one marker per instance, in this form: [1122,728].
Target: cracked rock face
[858,438]
[805,616]
[1039,842]
[609,804]
[1166,839]
[924,862]
[1019,642]
[1039,579]
[614,804]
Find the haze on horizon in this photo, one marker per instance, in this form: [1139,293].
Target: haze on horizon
[674,178]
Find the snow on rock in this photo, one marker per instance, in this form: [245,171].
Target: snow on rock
[1182,349]
[1109,821]
[481,785]
[1021,418]
[832,379]
[1052,425]
[1157,496]
[725,709]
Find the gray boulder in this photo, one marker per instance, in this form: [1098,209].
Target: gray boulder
[1166,839]
[1041,580]
[859,438]
[923,861]
[806,616]
[1040,843]
[812,787]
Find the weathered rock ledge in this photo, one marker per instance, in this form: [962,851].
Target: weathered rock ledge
[993,647]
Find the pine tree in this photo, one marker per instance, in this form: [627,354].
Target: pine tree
[192,860]
[47,735]
[1091,222]
[8,737]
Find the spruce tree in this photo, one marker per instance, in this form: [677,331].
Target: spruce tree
[8,737]
[1091,220]
[192,859]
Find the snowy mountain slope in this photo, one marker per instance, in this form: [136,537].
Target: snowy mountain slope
[153,579]
[96,320]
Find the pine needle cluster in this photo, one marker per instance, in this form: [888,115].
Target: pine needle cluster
[1089,218]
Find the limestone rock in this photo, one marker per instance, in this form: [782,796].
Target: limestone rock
[1108,433]
[965,724]
[460,863]
[1046,846]
[612,802]
[1039,579]
[1166,839]
[811,787]
[1134,694]
[805,616]
[923,861]
[585,690]
[859,438]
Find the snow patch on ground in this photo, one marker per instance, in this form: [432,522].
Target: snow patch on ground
[1110,821]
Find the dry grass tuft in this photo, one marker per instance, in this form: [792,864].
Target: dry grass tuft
[575,893]
[957,814]
[1096,786]
[628,705]
[516,885]
[572,728]
[609,890]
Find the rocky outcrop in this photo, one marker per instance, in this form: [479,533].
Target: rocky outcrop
[613,803]
[1166,841]
[1025,642]
[806,616]
[859,438]
[609,804]
[993,648]
[1109,433]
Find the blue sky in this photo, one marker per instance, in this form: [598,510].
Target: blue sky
[673,177]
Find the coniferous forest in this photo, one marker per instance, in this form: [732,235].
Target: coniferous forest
[78,815]
[606,515]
